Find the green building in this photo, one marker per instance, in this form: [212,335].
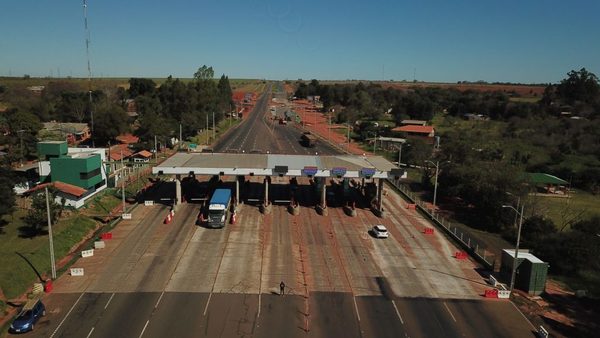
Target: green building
[531,271]
[78,167]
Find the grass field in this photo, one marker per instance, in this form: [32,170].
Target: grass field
[525,99]
[16,276]
[562,211]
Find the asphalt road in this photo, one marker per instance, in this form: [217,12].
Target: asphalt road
[259,132]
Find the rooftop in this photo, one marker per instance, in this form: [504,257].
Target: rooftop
[265,164]
[524,255]
[543,178]
[411,128]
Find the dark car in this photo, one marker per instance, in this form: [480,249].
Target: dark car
[30,314]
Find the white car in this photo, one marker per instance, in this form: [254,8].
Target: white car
[380,231]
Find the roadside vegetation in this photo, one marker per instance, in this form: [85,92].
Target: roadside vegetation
[488,141]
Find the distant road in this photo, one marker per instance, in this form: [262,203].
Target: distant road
[260,133]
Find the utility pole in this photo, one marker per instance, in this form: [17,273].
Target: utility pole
[53,266]
[122,181]
[214,131]
[20,132]
[348,131]
[180,137]
[515,260]
[155,149]
[207,132]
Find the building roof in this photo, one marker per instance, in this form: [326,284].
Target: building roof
[524,255]
[543,178]
[144,154]
[116,151]
[73,128]
[66,188]
[127,138]
[414,129]
[266,164]
[415,122]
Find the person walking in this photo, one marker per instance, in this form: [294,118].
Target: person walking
[281,288]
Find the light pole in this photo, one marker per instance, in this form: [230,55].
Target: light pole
[20,132]
[437,167]
[53,266]
[514,267]
[400,152]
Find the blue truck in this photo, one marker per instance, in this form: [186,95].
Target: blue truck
[218,208]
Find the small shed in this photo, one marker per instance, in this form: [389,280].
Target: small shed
[531,271]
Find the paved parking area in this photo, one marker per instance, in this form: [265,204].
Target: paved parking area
[181,279]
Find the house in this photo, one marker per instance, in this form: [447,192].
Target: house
[74,133]
[141,157]
[547,184]
[27,177]
[127,139]
[36,90]
[72,195]
[79,171]
[411,130]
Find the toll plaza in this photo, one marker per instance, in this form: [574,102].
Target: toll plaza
[347,169]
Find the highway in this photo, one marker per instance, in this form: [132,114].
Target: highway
[183,280]
[259,132]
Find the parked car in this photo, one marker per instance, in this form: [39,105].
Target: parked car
[380,231]
[33,310]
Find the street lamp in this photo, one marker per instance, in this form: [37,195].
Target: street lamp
[514,267]
[400,151]
[437,167]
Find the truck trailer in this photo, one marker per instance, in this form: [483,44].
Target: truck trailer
[218,208]
[308,139]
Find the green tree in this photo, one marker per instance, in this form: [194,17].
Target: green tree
[37,217]
[24,127]
[204,73]
[7,194]
[139,87]
[110,120]
[579,86]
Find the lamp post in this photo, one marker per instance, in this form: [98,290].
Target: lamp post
[53,266]
[514,267]
[437,167]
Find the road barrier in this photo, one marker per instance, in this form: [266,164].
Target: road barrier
[87,253]
[504,294]
[493,281]
[76,271]
[460,255]
[99,245]
[543,333]
[126,216]
[428,231]
[233,218]
[491,293]
[48,286]
[168,219]
[37,288]
[411,206]
[148,203]
[106,235]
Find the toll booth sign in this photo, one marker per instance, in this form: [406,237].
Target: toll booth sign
[338,171]
[309,171]
[367,172]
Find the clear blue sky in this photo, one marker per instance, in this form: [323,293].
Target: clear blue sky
[514,41]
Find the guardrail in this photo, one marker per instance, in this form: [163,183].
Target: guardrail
[472,246]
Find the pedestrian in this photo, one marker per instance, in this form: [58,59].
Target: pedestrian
[281,288]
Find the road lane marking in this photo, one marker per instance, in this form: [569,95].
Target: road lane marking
[258,314]
[450,312]
[397,312]
[356,307]
[513,304]
[207,302]
[67,315]
[144,329]
[159,298]
[89,334]
[111,297]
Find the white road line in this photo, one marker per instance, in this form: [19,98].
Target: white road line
[450,312]
[397,312]
[207,302]
[356,307]
[144,329]
[516,307]
[258,314]
[67,315]
[89,334]
[111,297]
[159,298]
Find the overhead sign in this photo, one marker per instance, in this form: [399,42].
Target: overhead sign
[367,172]
[338,171]
[192,146]
[310,171]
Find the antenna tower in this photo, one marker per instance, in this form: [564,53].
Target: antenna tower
[89,68]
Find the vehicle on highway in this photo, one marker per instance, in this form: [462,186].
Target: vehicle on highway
[380,231]
[33,310]
[218,208]
[308,139]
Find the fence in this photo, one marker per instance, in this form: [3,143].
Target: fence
[462,237]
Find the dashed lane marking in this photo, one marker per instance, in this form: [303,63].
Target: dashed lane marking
[89,334]
[144,329]
[450,312]
[111,297]
[67,315]
[397,312]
